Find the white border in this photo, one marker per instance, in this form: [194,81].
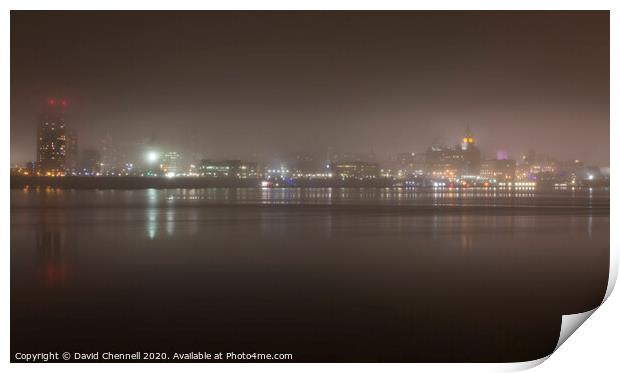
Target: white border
[595,346]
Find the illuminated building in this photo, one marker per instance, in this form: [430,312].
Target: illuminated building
[234,169]
[534,167]
[455,162]
[354,170]
[277,174]
[498,170]
[170,163]
[21,171]
[571,171]
[468,140]
[51,139]
[409,165]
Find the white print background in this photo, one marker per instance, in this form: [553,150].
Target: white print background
[593,347]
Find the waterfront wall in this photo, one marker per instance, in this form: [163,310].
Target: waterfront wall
[136,182]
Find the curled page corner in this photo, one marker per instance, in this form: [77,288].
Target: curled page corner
[570,323]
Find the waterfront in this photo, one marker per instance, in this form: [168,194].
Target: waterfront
[331,274]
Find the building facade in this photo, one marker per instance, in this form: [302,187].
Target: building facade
[354,170]
[499,170]
[52,140]
[453,163]
[233,169]
[171,163]
[409,165]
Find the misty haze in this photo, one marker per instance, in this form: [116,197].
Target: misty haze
[263,85]
[311,186]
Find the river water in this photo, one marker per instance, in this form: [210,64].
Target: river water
[326,274]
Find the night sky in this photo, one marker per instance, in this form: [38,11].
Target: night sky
[265,84]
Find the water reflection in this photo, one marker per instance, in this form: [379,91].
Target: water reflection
[466,234]
[386,196]
[50,250]
[151,222]
[375,274]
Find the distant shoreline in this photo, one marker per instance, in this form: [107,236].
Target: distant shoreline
[138,182]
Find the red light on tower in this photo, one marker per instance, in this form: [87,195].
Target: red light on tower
[51,101]
[64,102]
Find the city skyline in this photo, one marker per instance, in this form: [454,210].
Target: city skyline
[459,166]
[133,149]
[390,82]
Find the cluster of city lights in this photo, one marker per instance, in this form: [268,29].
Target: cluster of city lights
[442,168]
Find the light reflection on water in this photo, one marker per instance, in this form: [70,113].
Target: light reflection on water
[398,196]
[390,196]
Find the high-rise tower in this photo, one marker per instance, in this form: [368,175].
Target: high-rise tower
[468,140]
[470,155]
[51,139]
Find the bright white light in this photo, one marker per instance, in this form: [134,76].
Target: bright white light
[152,156]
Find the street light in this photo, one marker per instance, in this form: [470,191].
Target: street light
[152,157]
